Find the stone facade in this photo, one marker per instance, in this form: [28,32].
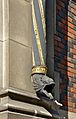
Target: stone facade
[17,96]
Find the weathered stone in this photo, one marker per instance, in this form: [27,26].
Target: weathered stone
[20,22]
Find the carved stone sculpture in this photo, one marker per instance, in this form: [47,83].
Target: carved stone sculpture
[43,84]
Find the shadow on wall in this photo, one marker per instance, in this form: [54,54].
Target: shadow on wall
[64,53]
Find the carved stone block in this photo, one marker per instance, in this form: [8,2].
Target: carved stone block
[20,22]
[15,45]
[10,115]
[20,66]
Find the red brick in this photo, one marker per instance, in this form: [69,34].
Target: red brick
[61,45]
[70,94]
[57,49]
[65,103]
[63,71]
[73,10]
[61,25]
[69,59]
[65,57]
[67,28]
[70,104]
[74,85]
[65,37]
[72,70]
[74,56]
[70,64]
[73,90]
[62,86]
[60,65]
[64,62]
[56,42]
[69,78]
[74,46]
[69,99]
[64,21]
[74,110]
[70,45]
[74,7]
[58,7]
[70,25]
[69,19]
[73,51]
[57,38]
[74,95]
[70,109]
[74,17]
[70,74]
[71,35]
[65,97]
[60,3]
[69,38]
[64,31]
[72,31]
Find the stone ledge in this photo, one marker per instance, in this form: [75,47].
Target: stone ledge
[20,101]
[23,108]
[15,115]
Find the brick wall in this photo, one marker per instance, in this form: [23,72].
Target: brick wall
[65,52]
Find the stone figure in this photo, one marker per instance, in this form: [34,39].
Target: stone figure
[43,84]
